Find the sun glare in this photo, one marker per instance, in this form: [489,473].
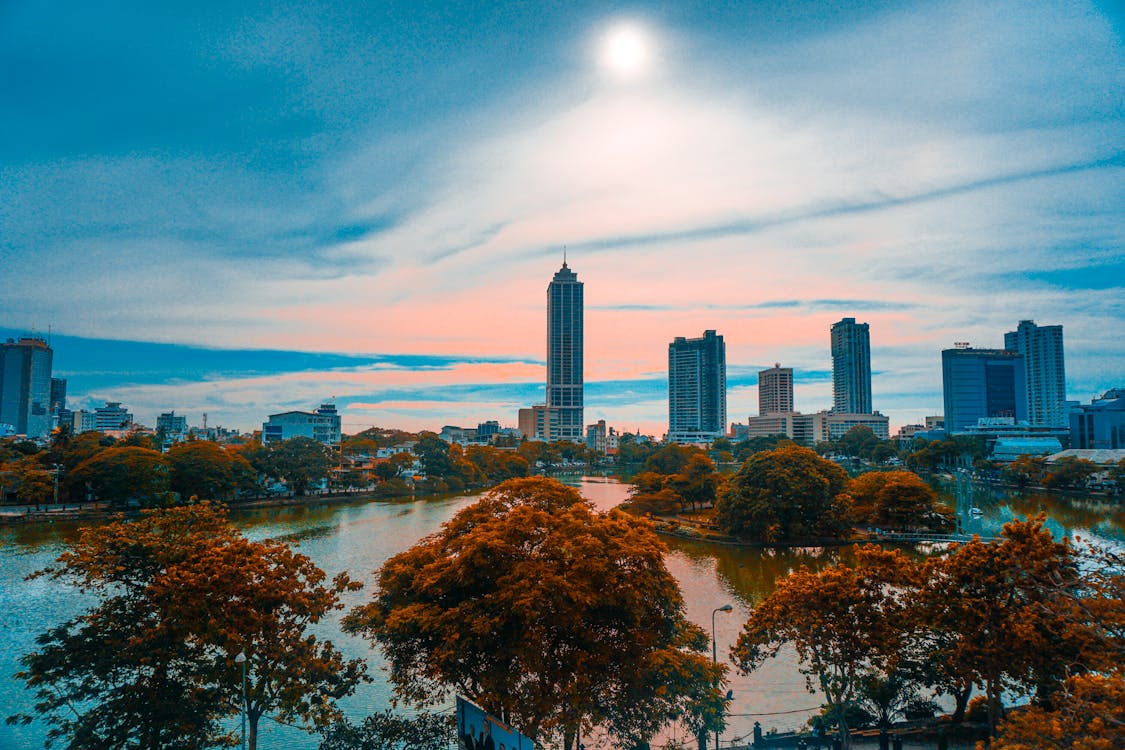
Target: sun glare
[626,51]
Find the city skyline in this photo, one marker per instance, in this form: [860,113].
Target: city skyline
[241,214]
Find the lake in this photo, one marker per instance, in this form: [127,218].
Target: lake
[359,537]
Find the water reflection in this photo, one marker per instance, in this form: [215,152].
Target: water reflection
[359,536]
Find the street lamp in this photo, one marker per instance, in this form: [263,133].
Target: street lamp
[715,651]
[241,659]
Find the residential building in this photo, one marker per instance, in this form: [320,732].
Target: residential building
[173,427]
[851,367]
[936,422]
[1100,425]
[323,425]
[565,389]
[775,390]
[112,417]
[697,388]
[982,384]
[25,386]
[1044,371]
[83,421]
[809,429]
[602,438]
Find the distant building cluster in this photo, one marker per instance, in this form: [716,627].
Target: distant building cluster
[1013,397]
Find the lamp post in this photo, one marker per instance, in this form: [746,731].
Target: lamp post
[241,659]
[715,651]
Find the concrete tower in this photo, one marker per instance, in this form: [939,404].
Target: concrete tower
[564,357]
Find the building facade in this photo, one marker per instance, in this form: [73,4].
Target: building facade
[775,390]
[1044,371]
[1100,425]
[697,388]
[323,425]
[112,417]
[851,367]
[25,386]
[982,384]
[565,387]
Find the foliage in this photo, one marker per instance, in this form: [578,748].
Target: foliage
[1069,471]
[787,493]
[299,462]
[937,454]
[897,499]
[389,731]
[664,494]
[858,442]
[36,487]
[180,593]
[1090,716]
[841,621]
[746,448]
[543,612]
[206,470]
[496,465]
[671,458]
[124,475]
[1025,470]
[996,618]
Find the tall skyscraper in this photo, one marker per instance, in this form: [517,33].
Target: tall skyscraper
[697,388]
[980,384]
[775,390]
[25,386]
[564,357]
[851,367]
[1044,370]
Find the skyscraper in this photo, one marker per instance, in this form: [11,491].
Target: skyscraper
[564,357]
[775,390]
[25,386]
[1044,371]
[697,388]
[851,367]
[980,384]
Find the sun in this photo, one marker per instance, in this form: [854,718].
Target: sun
[626,51]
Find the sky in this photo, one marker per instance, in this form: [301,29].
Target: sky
[242,208]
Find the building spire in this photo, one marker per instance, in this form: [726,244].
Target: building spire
[564,256]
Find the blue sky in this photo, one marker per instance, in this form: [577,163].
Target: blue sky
[240,208]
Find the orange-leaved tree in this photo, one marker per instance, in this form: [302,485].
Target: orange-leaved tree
[548,614]
[845,624]
[898,499]
[996,616]
[180,594]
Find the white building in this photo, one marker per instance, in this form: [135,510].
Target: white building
[323,425]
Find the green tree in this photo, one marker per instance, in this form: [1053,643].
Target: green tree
[434,454]
[206,470]
[299,462]
[389,731]
[124,475]
[544,612]
[180,593]
[787,493]
[858,442]
[670,459]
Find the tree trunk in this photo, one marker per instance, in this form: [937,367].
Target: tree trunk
[962,704]
[844,732]
[252,730]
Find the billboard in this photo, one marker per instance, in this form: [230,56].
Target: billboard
[479,730]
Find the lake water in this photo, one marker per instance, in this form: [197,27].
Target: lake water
[359,537]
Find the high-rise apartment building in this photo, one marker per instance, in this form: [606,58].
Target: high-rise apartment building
[851,367]
[564,357]
[25,386]
[1044,371]
[981,384]
[697,388]
[775,390]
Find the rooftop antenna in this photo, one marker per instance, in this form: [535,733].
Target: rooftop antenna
[564,256]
